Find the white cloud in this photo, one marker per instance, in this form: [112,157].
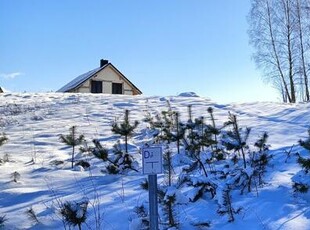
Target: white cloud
[10,75]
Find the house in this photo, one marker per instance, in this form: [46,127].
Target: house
[104,79]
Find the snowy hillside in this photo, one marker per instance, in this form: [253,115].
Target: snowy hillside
[36,176]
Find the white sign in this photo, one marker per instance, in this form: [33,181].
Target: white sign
[152,160]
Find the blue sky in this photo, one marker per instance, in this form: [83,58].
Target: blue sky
[163,47]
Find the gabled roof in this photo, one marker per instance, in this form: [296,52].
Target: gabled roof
[75,83]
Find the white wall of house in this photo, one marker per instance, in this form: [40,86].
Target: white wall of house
[108,76]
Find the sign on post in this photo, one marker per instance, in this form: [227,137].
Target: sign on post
[152,162]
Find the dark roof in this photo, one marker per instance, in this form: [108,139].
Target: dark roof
[80,80]
[75,83]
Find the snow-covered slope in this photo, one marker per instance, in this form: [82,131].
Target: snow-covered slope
[33,123]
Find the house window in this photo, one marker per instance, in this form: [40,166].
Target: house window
[96,86]
[117,88]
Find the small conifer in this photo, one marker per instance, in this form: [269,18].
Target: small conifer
[72,140]
[305,162]
[74,213]
[125,128]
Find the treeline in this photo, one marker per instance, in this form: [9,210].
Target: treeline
[279,32]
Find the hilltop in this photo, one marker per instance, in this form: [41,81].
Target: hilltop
[33,123]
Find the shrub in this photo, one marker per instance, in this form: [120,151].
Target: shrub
[74,213]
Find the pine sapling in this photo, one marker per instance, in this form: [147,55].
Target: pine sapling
[226,206]
[167,163]
[99,151]
[167,198]
[305,162]
[179,131]
[120,161]
[301,179]
[215,133]
[261,158]
[72,140]
[125,128]
[74,213]
[237,141]
[142,214]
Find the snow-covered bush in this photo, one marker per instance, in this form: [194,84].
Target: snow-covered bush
[142,221]
[123,160]
[84,164]
[118,161]
[74,213]
[301,181]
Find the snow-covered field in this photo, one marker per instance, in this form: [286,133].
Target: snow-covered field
[33,123]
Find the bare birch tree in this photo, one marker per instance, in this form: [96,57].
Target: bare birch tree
[302,14]
[279,33]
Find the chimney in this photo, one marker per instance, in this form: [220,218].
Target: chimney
[103,62]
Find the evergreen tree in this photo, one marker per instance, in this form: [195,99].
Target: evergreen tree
[305,162]
[302,179]
[234,138]
[215,132]
[226,207]
[72,140]
[125,128]
[260,159]
[167,199]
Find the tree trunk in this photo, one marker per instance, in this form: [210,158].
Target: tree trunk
[126,147]
[72,159]
[178,135]
[302,51]
[170,215]
[275,52]
[286,6]
[236,128]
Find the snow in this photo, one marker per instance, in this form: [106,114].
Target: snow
[33,122]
